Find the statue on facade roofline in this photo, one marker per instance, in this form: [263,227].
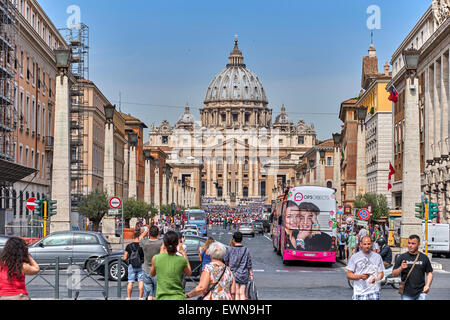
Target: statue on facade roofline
[441,10]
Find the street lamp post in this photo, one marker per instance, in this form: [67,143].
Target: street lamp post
[132,140]
[361,167]
[411,189]
[61,177]
[147,186]
[337,139]
[109,222]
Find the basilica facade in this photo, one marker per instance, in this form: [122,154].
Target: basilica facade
[236,153]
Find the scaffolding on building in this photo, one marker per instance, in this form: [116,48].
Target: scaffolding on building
[78,39]
[8,65]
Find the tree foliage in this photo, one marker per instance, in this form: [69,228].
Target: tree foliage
[378,201]
[133,208]
[94,206]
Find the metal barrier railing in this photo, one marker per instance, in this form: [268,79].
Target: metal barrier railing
[40,275]
[77,275]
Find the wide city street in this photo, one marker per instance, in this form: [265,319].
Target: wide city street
[274,281]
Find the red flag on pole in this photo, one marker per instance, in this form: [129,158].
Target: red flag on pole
[391,172]
[394,95]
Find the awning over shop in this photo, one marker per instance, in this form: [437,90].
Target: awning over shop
[12,172]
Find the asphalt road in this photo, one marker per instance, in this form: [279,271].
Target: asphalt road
[307,281]
[274,281]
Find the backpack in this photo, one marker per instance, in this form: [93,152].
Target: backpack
[135,258]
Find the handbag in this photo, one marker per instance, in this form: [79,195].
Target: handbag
[401,287]
[250,292]
[214,285]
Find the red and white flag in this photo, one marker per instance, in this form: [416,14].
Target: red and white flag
[394,95]
[391,172]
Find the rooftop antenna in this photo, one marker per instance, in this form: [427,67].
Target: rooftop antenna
[371,36]
[120,101]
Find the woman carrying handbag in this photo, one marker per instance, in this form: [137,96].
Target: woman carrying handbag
[216,281]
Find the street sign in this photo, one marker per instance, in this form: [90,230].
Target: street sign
[115,202]
[30,204]
[113,212]
[362,223]
[340,210]
[364,214]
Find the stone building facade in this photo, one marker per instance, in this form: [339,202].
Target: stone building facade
[235,152]
[431,36]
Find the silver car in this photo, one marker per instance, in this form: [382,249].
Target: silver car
[3,240]
[83,247]
[247,229]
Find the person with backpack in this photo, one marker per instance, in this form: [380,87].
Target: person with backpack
[342,236]
[135,256]
[240,262]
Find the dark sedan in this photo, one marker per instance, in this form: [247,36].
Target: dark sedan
[192,244]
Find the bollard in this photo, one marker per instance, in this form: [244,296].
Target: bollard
[69,285]
[119,277]
[57,278]
[106,293]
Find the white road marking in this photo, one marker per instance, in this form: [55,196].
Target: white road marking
[267,238]
[258,270]
[441,271]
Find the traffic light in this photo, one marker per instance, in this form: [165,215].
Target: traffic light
[420,210]
[432,210]
[39,208]
[51,207]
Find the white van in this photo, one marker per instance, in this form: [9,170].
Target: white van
[438,238]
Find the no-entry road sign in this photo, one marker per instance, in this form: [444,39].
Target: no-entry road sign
[364,214]
[30,203]
[115,202]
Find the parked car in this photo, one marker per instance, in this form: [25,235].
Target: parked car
[84,247]
[247,229]
[259,227]
[3,240]
[189,232]
[192,244]
[191,226]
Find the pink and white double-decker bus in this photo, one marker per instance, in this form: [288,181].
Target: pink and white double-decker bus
[304,224]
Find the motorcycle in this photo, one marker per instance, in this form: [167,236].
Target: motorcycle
[388,279]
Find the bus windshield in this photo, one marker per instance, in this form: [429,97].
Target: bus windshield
[196,215]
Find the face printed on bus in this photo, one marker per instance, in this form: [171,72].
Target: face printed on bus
[306,219]
[292,214]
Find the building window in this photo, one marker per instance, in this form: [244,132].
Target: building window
[329,161]
[165,139]
[301,140]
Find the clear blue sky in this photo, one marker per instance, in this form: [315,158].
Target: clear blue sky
[308,54]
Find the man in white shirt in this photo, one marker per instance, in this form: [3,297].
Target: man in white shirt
[365,268]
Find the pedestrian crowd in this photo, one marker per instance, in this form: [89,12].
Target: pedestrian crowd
[161,266]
